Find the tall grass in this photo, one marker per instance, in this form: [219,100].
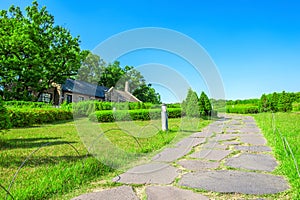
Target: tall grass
[284,126]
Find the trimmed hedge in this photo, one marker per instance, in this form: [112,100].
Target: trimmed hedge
[27,117]
[28,104]
[128,115]
[84,108]
[242,109]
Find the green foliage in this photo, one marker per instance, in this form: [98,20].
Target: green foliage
[245,101]
[192,109]
[264,105]
[296,107]
[35,53]
[275,102]
[84,108]
[91,69]
[24,117]
[285,102]
[204,105]
[242,108]
[128,115]
[146,93]
[27,104]
[4,117]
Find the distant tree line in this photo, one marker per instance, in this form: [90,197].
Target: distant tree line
[194,106]
[278,102]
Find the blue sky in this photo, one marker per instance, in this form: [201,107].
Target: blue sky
[254,44]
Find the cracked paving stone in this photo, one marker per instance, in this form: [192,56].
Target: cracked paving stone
[190,142]
[214,145]
[158,173]
[253,148]
[260,162]
[171,154]
[196,165]
[253,139]
[222,137]
[202,135]
[171,192]
[228,181]
[118,193]
[211,154]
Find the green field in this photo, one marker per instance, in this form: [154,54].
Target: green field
[60,167]
[282,131]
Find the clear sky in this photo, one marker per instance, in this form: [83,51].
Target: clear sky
[254,44]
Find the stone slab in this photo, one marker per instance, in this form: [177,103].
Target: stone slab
[214,145]
[221,137]
[118,193]
[171,154]
[170,192]
[250,130]
[231,142]
[253,148]
[196,165]
[158,173]
[190,142]
[235,182]
[260,162]
[202,134]
[253,139]
[211,154]
[232,131]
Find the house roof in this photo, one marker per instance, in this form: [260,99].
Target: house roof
[124,95]
[85,88]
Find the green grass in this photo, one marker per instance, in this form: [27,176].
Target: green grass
[288,125]
[61,169]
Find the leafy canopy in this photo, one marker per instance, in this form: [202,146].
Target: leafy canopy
[35,53]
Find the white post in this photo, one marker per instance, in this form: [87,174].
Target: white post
[164,117]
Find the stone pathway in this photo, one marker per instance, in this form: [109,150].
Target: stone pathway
[228,156]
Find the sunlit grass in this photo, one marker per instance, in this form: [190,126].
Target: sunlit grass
[61,163]
[288,127]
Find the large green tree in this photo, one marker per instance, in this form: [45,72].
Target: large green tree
[146,93]
[113,75]
[285,102]
[264,105]
[91,69]
[34,52]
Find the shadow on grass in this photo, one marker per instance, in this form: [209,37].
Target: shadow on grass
[13,161]
[45,124]
[24,144]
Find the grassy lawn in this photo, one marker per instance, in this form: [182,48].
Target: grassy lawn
[56,163]
[287,128]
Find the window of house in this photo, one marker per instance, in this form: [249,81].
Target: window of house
[69,98]
[80,98]
[45,97]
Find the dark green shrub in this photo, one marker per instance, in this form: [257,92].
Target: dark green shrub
[29,104]
[127,115]
[174,113]
[21,117]
[4,117]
